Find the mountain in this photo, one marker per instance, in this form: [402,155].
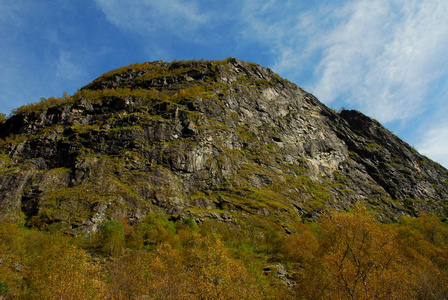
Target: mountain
[208,140]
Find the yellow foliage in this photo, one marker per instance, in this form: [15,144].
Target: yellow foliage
[300,247]
[42,105]
[41,266]
[203,269]
[215,274]
[355,259]
[343,256]
[12,257]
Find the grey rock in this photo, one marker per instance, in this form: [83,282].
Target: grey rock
[243,141]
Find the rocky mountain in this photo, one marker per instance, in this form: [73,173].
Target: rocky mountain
[204,139]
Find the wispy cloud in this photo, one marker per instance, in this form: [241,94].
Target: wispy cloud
[176,17]
[378,56]
[385,56]
[434,144]
[9,12]
[67,67]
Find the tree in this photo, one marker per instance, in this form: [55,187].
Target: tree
[111,237]
[213,273]
[423,242]
[356,259]
[202,269]
[55,269]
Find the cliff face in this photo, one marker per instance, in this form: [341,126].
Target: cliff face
[214,139]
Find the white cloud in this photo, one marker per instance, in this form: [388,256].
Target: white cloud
[385,56]
[432,137]
[407,65]
[434,144]
[177,17]
[379,56]
[350,49]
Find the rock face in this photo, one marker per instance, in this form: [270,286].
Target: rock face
[213,139]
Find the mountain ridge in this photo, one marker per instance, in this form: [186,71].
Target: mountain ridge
[208,140]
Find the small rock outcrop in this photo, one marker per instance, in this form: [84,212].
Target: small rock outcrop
[211,139]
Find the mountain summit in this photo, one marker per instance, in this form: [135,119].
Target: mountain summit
[205,140]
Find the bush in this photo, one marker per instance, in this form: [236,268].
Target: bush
[4,288]
[111,237]
[191,223]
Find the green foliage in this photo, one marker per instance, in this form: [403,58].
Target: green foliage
[156,220]
[191,223]
[4,288]
[5,161]
[111,237]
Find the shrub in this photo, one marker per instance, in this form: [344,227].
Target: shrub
[191,223]
[111,237]
[4,288]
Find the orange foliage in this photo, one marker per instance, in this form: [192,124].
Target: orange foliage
[343,256]
[355,259]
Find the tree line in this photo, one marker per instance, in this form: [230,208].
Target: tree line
[345,255]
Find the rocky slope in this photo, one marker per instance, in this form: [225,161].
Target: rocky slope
[208,139]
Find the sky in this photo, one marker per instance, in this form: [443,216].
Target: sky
[387,59]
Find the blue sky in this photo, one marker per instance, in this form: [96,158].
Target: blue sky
[388,59]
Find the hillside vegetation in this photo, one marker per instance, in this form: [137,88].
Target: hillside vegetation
[346,255]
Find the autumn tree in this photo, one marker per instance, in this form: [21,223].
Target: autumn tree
[59,270]
[12,259]
[39,265]
[356,259]
[202,268]
[423,242]
[111,238]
